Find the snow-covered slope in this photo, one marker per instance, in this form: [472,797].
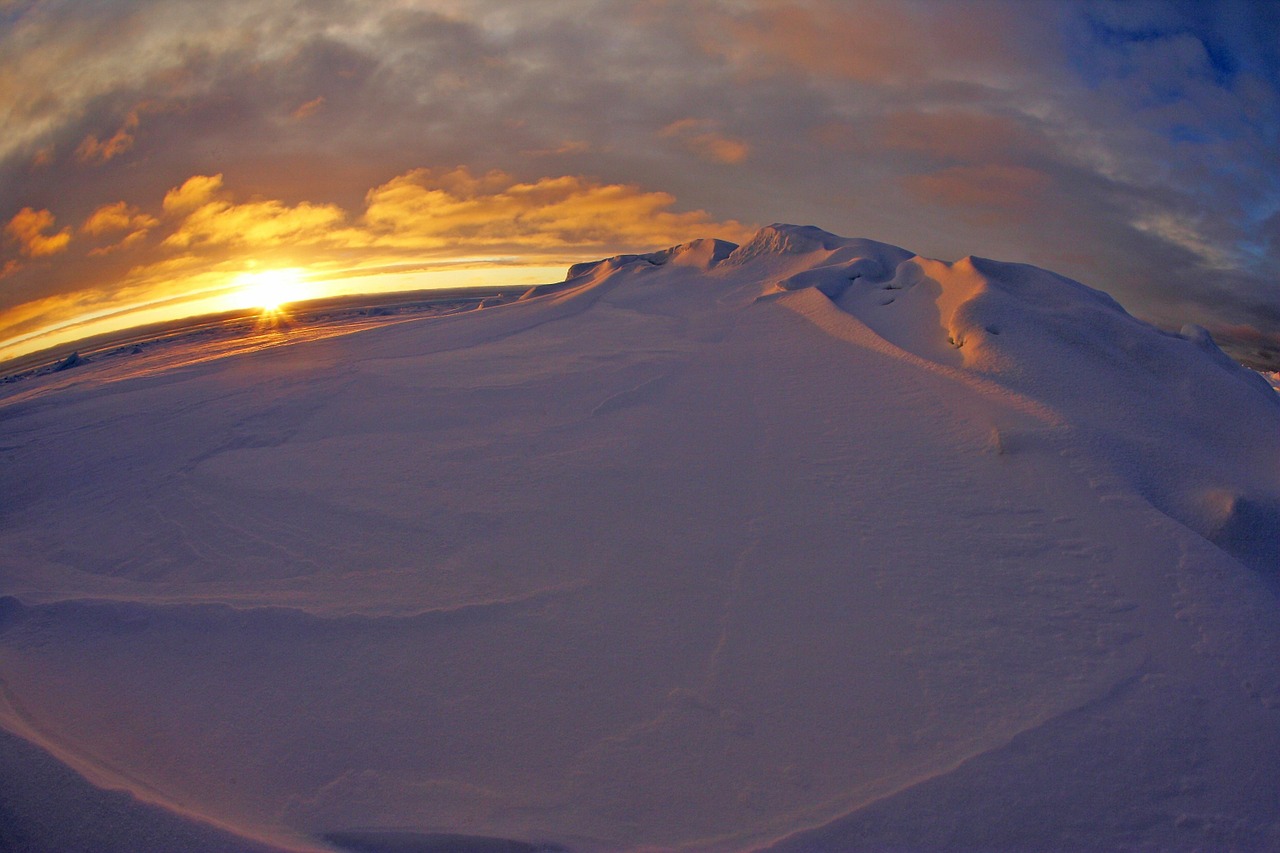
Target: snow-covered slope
[809,542]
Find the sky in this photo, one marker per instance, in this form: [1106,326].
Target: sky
[161,157]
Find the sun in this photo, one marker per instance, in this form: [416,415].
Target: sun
[271,290]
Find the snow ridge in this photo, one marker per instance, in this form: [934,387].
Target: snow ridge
[1064,345]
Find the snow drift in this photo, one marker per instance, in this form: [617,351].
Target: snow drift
[808,543]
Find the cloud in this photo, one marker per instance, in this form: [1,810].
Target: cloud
[93,151]
[308,109]
[433,209]
[437,213]
[992,191]
[870,42]
[961,136]
[702,138]
[859,44]
[1184,232]
[1258,349]
[193,193]
[568,147]
[116,218]
[256,225]
[28,228]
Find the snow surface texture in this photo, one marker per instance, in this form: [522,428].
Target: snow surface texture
[810,543]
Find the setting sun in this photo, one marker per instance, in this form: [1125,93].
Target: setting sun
[270,290]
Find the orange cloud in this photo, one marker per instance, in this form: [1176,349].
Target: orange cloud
[28,228]
[424,212]
[428,209]
[701,137]
[996,192]
[115,218]
[256,225]
[310,108]
[91,150]
[194,192]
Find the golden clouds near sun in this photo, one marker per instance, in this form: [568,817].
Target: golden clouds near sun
[270,290]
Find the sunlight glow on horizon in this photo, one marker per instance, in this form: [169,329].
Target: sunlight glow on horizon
[270,290]
[267,290]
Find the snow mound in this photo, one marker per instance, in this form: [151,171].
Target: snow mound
[73,360]
[812,542]
[781,239]
[1070,348]
[702,254]
[1057,344]
[811,248]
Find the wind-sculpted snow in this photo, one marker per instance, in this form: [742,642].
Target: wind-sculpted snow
[1074,349]
[810,542]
